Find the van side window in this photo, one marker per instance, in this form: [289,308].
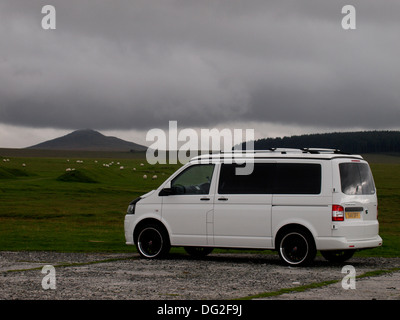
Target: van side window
[194,180]
[258,182]
[356,178]
[297,178]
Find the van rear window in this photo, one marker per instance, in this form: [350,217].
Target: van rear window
[298,178]
[356,178]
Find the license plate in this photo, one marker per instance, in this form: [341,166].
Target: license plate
[353,215]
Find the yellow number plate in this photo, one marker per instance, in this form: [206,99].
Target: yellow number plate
[353,215]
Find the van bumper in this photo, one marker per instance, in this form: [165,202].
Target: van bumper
[128,230]
[342,243]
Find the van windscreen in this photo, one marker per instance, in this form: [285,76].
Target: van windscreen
[356,178]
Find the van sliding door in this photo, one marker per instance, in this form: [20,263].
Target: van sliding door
[242,207]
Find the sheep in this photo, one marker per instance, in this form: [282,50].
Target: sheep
[68,169]
[121,168]
[144,176]
[134,169]
[24,165]
[154,177]
[141,164]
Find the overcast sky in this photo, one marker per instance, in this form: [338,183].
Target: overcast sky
[126,66]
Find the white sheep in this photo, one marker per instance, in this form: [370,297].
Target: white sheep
[68,169]
[134,169]
[24,165]
[121,167]
[154,177]
[144,176]
[141,164]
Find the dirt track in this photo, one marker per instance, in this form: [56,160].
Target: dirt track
[83,276]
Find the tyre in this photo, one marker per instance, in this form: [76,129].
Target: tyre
[199,252]
[338,256]
[152,242]
[296,247]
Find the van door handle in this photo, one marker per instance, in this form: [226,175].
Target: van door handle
[204,199]
[223,199]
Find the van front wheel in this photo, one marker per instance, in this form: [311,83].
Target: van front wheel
[296,247]
[152,242]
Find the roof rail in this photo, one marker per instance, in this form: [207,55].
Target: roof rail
[323,150]
[285,150]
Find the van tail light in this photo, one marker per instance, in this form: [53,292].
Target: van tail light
[337,213]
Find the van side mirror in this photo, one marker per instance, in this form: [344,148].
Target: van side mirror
[167,190]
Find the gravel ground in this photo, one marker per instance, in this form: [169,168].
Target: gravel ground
[110,276]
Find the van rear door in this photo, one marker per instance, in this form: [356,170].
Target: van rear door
[355,192]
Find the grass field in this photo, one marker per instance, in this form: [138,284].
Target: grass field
[45,207]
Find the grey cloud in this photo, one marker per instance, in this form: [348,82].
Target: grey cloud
[138,64]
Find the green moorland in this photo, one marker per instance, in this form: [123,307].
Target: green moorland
[46,206]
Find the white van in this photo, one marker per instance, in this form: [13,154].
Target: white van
[295,201]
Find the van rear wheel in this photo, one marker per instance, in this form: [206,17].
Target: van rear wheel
[152,242]
[338,255]
[296,247]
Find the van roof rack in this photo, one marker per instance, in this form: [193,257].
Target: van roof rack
[286,150]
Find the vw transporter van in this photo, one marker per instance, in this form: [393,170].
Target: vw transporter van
[294,201]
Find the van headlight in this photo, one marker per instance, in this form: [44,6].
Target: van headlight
[131,209]
[132,206]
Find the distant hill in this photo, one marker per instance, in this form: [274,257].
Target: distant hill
[88,140]
[360,142]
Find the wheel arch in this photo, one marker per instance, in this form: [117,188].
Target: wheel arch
[290,226]
[145,222]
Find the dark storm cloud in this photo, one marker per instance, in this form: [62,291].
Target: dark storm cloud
[138,64]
